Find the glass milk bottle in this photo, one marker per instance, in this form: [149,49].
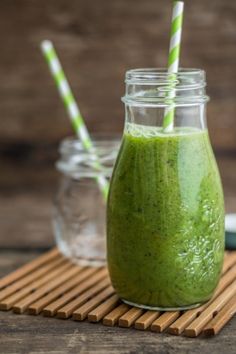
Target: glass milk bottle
[165,217]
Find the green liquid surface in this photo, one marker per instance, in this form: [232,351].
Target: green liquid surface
[165,218]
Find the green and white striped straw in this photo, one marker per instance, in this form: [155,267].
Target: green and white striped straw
[71,106]
[173,60]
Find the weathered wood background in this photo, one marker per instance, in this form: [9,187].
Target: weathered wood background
[97,42]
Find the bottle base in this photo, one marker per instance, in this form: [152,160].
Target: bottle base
[157,308]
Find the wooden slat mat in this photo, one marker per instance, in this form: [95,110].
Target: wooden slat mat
[51,285]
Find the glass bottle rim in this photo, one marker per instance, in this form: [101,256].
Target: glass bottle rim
[151,86]
[148,74]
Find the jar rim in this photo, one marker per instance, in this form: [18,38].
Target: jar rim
[154,87]
[148,75]
[77,162]
[74,144]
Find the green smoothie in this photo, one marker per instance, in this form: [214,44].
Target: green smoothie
[165,218]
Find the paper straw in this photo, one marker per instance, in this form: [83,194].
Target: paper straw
[173,61]
[71,106]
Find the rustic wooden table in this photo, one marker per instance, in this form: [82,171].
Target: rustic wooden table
[25,233]
[31,334]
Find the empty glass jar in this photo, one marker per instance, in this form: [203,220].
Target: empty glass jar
[80,208]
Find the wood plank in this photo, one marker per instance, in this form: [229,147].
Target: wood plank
[38,274]
[8,302]
[58,278]
[81,312]
[220,320]
[128,319]
[164,321]
[146,320]
[71,308]
[195,328]
[70,297]
[102,310]
[28,268]
[37,307]
[112,318]
[229,261]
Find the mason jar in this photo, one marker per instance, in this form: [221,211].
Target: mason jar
[80,207]
[165,218]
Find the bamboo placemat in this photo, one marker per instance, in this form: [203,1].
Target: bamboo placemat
[53,286]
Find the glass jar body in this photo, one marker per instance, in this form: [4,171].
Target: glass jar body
[79,221]
[165,219]
[79,216]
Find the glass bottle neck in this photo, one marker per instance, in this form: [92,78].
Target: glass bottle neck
[191,116]
[151,93]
